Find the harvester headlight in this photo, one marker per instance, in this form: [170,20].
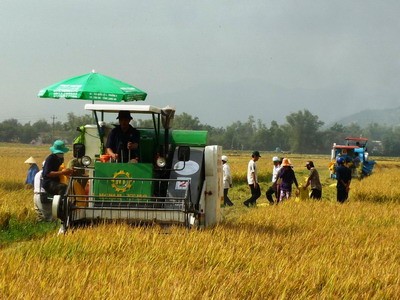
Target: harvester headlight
[86,160]
[161,162]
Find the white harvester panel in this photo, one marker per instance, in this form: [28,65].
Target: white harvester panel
[92,140]
[213,185]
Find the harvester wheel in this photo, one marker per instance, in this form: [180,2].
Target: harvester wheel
[61,209]
[56,207]
[67,212]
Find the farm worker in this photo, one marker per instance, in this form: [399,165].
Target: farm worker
[286,177]
[343,177]
[33,169]
[41,205]
[52,172]
[227,179]
[123,141]
[273,188]
[313,181]
[252,180]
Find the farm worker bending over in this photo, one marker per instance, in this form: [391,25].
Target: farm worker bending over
[287,178]
[123,141]
[33,169]
[252,179]
[51,169]
[313,180]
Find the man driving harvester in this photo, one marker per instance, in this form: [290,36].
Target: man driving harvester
[123,141]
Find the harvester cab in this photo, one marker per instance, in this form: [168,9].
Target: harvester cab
[355,154]
[177,179]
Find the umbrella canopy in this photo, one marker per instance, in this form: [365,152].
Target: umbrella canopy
[93,86]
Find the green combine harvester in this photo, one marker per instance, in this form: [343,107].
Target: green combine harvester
[178,179]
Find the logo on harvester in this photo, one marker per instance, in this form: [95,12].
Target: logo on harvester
[121,182]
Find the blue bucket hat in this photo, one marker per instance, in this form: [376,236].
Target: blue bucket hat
[59,147]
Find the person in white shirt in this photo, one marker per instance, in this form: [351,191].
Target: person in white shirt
[43,210]
[252,180]
[227,180]
[273,188]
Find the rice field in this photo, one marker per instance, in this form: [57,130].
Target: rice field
[295,250]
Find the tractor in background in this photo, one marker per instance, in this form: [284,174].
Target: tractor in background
[355,153]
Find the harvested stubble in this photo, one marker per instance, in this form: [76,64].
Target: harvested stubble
[296,250]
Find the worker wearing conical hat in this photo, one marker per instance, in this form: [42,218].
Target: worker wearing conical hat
[33,169]
[287,178]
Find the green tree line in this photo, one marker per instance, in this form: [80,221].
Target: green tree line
[302,132]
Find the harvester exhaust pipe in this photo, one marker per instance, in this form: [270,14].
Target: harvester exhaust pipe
[167,119]
[167,114]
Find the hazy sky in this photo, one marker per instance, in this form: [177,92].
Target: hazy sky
[220,61]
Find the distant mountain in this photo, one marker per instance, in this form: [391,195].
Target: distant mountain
[388,117]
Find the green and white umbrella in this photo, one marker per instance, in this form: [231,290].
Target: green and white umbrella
[93,86]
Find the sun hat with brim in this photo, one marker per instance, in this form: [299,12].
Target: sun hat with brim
[286,162]
[224,158]
[275,159]
[256,153]
[123,114]
[309,164]
[30,160]
[58,147]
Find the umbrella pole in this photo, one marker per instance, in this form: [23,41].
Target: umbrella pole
[101,133]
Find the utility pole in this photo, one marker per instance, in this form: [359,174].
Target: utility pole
[52,133]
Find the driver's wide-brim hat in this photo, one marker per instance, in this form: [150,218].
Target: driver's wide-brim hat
[124,114]
[59,147]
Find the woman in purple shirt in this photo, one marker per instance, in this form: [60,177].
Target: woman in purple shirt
[286,177]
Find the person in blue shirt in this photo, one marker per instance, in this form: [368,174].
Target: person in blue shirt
[33,169]
[343,177]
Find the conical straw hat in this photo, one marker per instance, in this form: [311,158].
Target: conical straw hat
[30,160]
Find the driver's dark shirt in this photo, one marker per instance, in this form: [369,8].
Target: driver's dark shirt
[118,142]
[52,163]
